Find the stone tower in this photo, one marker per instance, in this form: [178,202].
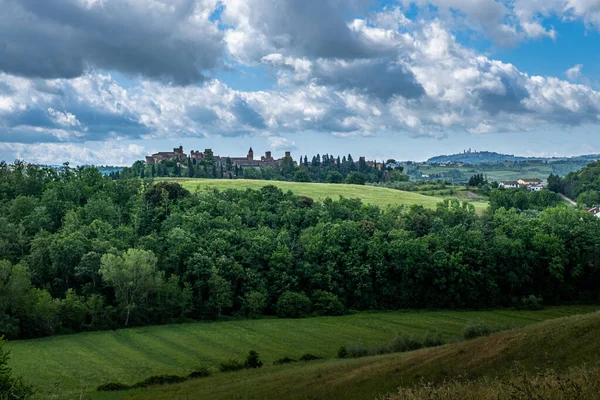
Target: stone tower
[250,154]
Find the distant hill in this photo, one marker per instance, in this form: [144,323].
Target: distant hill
[478,157]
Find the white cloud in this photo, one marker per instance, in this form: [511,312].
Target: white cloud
[574,72]
[281,143]
[108,153]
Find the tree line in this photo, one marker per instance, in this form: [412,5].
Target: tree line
[81,251]
[324,169]
[583,185]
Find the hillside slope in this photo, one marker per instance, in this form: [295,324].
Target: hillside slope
[560,344]
[320,191]
[85,360]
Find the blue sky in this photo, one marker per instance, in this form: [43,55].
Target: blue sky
[107,81]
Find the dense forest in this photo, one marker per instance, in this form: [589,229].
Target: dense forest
[583,185]
[325,169]
[81,251]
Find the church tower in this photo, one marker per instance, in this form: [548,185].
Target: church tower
[250,154]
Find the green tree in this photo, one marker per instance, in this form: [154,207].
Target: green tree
[355,178]
[256,302]
[301,176]
[293,305]
[132,275]
[334,177]
[220,295]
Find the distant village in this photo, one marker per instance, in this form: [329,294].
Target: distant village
[266,160]
[179,155]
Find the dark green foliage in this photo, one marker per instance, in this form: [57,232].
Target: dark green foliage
[200,372]
[253,360]
[159,380]
[585,183]
[403,343]
[477,329]
[477,180]
[342,352]
[531,302]
[293,305]
[231,365]
[357,350]
[283,361]
[112,387]
[433,339]
[325,303]
[310,357]
[269,252]
[356,178]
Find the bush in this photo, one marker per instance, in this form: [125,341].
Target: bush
[475,329]
[11,388]
[433,339]
[357,350]
[293,305]
[342,352]
[159,380]
[325,303]
[531,302]
[334,177]
[402,343]
[355,178]
[310,357]
[253,360]
[200,372]
[231,365]
[284,360]
[112,387]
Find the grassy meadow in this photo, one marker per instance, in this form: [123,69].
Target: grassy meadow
[320,191]
[81,362]
[557,344]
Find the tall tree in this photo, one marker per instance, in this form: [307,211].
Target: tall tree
[132,275]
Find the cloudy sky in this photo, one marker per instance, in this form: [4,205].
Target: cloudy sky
[108,81]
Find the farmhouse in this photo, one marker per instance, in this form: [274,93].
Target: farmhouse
[594,210]
[509,184]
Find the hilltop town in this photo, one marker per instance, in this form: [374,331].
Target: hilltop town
[195,156]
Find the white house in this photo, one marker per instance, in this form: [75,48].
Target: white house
[529,182]
[509,184]
[594,210]
[536,188]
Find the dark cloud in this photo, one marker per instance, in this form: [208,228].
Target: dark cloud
[61,39]
[511,101]
[380,78]
[246,115]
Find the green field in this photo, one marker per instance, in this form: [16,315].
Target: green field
[320,191]
[85,360]
[557,344]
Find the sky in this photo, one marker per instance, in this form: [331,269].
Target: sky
[107,82]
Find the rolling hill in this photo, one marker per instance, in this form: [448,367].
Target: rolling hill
[558,344]
[320,191]
[81,362]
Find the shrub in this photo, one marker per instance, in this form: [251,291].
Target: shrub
[112,387]
[475,329]
[357,350]
[310,357]
[433,339]
[355,178]
[342,352]
[159,380]
[531,302]
[284,360]
[200,372]
[293,305]
[11,388]
[231,365]
[253,360]
[402,343]
[325,303]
